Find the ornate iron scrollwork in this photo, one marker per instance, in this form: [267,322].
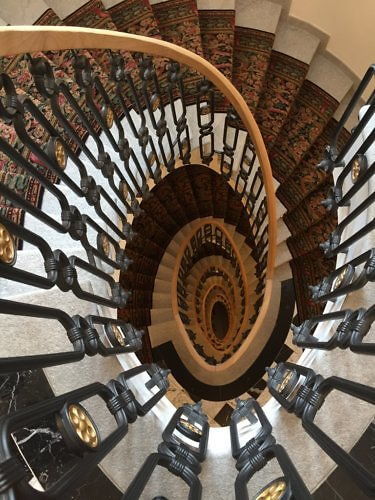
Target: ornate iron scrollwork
[256,452]
[302,392]
[176,454]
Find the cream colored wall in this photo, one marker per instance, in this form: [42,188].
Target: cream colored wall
[349,24]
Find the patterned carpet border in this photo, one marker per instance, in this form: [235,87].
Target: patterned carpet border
[178,23]
[251,55]
[311,111]
[134,16]
[217,31]
[284,78]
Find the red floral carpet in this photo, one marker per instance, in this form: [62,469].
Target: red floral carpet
[311,112]
[284,78]
[309,270]
[252,50]
[294,116]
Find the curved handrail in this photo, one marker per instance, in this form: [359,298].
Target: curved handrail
[20,39]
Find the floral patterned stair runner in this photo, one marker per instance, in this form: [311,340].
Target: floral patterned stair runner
[217,32]
[251,56]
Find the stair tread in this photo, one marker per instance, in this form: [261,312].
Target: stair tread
[180,17]
[217,29]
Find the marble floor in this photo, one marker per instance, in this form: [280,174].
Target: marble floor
[46,457]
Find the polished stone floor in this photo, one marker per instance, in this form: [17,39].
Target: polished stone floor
[48,457]
[338,486]
[41,446]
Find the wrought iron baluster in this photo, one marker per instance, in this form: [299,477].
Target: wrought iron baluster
[88,188]
[349,334]
[80,435]
[176,92]
[343,280]
[158,379]
[259,218]
[261,245]
[93,342]
[364,175]
[302,392]
[333,158]
[254,192]
[7,269]
[154,102]
[75,225]
[13,112]
[349,109]
[19,201]
[120,77]
[120,332]
[118,295]
[206,95]
[19,363]
[258,451]
[142,134]
[334,245]
[50,89]
[230,141]
[104,243]
[32,170]
[355,167]
[88,82]
[247,161]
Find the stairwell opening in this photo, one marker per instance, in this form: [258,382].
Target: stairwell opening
[219,319]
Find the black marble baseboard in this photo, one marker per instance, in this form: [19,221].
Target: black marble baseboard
[43,447]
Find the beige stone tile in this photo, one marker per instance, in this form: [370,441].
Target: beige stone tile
[110,3]
[23,11]
[216,4]
[257,14]
[295,41]
[329,77]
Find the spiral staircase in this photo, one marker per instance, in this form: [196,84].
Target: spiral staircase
[160,203]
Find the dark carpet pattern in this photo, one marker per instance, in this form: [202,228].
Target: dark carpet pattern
[251,54]
[284,78]
[178,23]
[217,30]
[306,177]
[310,238]
[134,16]
[310,113]
[294,116]
[309,269]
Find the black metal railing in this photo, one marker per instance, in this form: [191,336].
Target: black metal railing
[77,428]
[140,130]
[297,388]
[96,139]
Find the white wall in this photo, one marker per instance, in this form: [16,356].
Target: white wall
[349,24]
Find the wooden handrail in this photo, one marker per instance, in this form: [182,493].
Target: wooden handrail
[21,39]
